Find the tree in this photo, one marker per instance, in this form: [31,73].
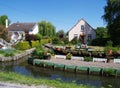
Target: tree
[60,34]
[112,17]
[101,32]
[46,29]
[3,20]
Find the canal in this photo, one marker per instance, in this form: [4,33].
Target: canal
[22,67]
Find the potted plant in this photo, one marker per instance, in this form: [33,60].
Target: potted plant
[68,56]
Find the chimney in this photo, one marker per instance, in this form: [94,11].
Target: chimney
[6,23]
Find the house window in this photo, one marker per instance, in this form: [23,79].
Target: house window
[82,27]
[75,35]
[89,36]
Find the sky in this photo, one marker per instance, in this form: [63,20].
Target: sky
[63,14]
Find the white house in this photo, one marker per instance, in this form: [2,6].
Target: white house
[18,30]
[82,31]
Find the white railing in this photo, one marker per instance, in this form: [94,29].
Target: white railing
[60,56]
[77,58]
[116,60]
[99,60]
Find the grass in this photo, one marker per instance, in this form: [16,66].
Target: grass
[9,52]
[17,78]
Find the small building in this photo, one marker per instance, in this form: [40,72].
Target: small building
[82,31]
[18,30]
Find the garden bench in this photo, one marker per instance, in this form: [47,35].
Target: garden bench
[77,58]
[99,60]
[116,60]
[60,56]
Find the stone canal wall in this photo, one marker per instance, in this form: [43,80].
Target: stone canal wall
[17,56]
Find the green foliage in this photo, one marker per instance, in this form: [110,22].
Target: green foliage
[112,17]
[109,43]
[38,53]
[65,40]
[99,41]
[23,45]
[45,41]
[46,29]
[60,34]
[3,20]
[88,59]
[17,78]
[74,41]
[39,36]
[109,72]
[55,40]
[35,44]
[101,32]
[68,56]
[9,52]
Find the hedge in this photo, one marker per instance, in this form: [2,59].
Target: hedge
[23,45]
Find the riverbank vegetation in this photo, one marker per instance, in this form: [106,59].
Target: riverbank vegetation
[17,78]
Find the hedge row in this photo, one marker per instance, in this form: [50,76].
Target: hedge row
[26,45]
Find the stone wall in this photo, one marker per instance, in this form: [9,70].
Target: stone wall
[17,56]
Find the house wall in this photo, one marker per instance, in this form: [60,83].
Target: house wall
[35,30]
[76,30]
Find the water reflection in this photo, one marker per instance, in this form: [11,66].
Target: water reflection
[22,67]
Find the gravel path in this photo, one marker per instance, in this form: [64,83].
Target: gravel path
[14,85]
[84,63]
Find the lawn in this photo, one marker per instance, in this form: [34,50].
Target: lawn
[17,78]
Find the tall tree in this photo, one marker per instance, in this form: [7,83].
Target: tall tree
[112,17]
[46,29]
[3,20]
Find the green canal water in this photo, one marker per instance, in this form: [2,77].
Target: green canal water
[22,67]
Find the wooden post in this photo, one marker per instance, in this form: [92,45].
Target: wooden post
[88,71]
[75,70]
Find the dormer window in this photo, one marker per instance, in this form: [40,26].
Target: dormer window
[82,27]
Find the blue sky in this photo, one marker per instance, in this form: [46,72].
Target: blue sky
[63,14]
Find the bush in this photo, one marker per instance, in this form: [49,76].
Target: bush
[38,54]
[45,41]
[68,56]
[23,45]
[109,43]
[65,40]
[99,41]
[109,72]
[55,40]
[74,41]
[35,43]
[88,59]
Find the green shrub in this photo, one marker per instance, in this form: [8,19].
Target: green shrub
[109,43]
[38,53]
[88,59]
[45,41]
[74,41]
[35,43]
[99,41]
[55,40]
[23,45]
[68,56]
[109,72]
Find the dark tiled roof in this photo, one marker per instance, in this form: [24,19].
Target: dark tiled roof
[21,27]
